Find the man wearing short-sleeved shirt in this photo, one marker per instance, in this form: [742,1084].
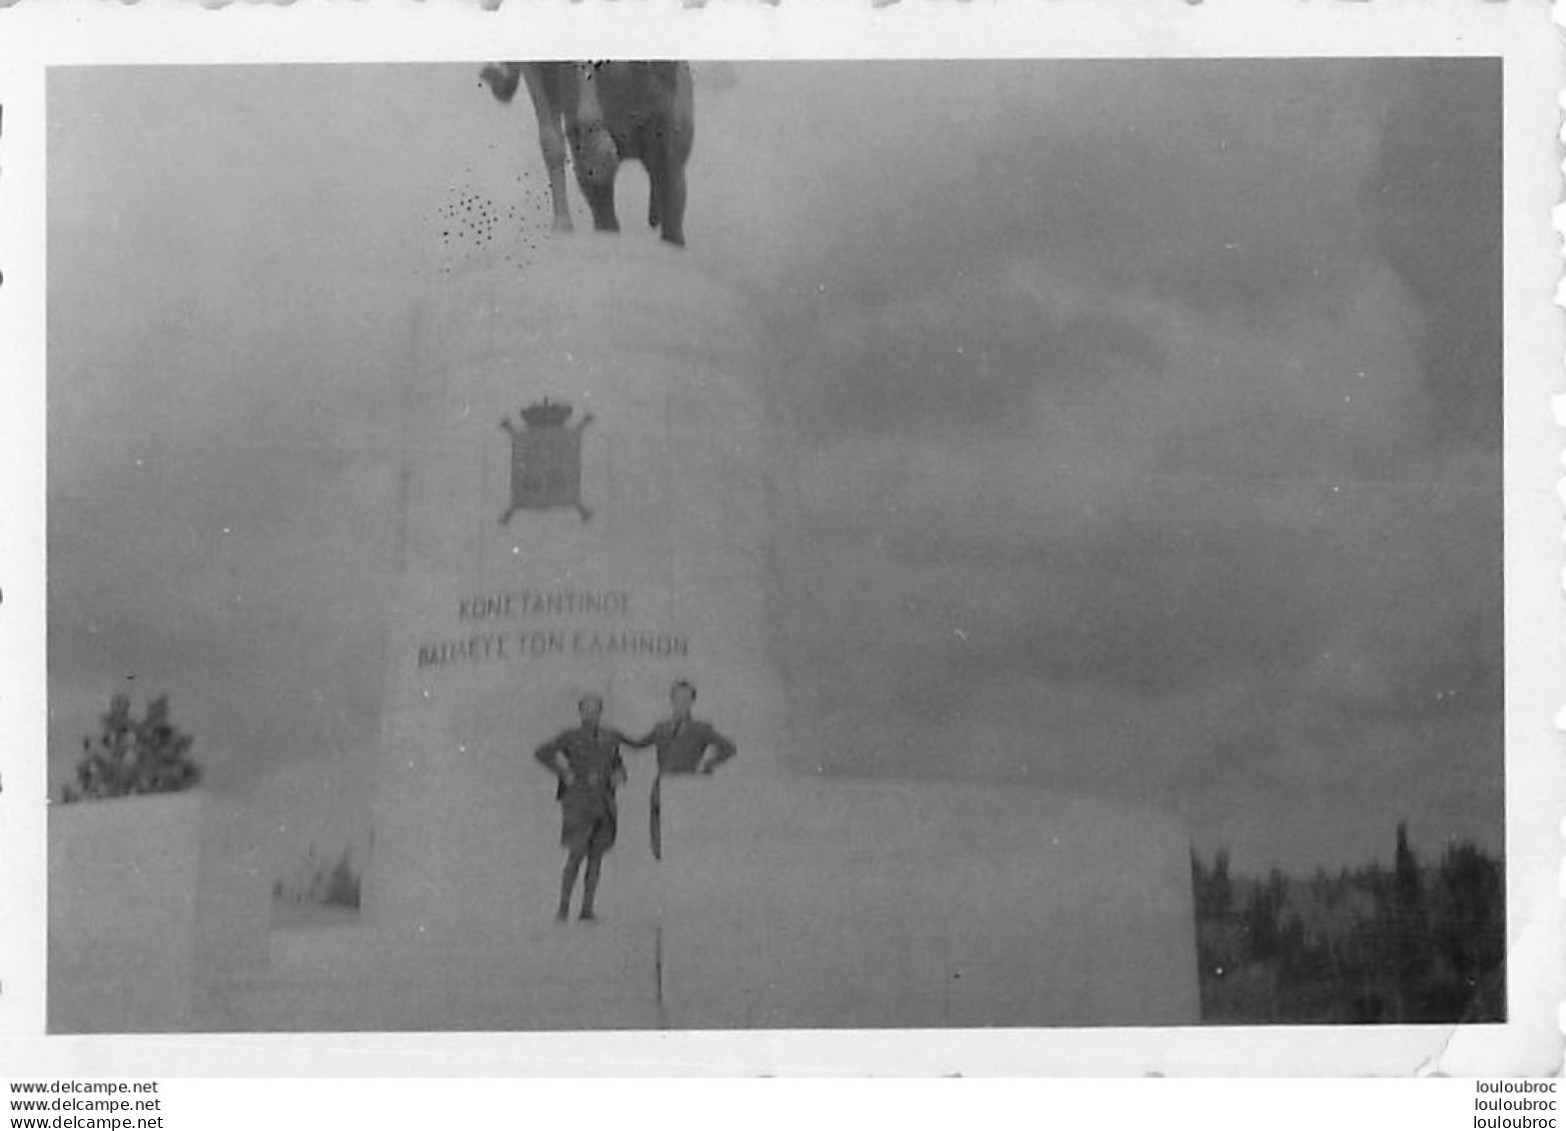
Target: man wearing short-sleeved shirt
[683,745]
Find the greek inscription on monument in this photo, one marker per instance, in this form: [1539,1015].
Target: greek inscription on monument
[550,638]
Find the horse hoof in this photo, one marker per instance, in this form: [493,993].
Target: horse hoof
[501,80]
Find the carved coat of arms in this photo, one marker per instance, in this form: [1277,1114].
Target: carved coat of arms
[546,460]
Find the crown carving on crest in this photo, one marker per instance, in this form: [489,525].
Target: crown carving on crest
[546,414]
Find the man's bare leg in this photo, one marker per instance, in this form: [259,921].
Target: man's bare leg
[567,882]
[595,861]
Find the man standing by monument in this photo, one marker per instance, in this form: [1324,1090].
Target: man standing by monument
[587,761]
[683,743]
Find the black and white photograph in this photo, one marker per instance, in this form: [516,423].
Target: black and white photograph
[666,545]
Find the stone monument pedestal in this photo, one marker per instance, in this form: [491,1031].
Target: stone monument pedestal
[587,493]
[586,487]
[151,898]
[789,904]
[857,903]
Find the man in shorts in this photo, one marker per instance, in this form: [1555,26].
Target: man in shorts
[684,744]
[587,761]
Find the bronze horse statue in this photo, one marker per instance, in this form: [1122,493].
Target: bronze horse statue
[607,113]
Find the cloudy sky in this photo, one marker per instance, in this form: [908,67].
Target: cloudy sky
[1147,415]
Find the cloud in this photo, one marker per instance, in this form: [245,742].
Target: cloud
[267,631]
[1147,440]
[1168,514]
[227,360]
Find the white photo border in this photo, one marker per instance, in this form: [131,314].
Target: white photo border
[36,35]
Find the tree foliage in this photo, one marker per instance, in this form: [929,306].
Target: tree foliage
[1468,924]
[342,885]
[313,881]
[1410,943]
[133,755]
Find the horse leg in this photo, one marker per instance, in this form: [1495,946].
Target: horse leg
[597,161]
[594,152]
[502,78]
[657,188]
[674,151]
[600,199]
[674,205]
[666,186]
[551,140]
